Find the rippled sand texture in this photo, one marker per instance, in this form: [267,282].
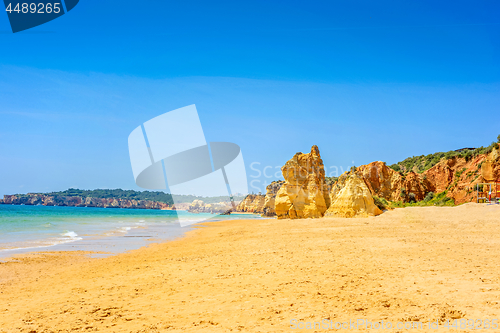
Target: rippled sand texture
[255,276]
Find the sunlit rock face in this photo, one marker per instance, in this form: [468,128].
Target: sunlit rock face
[304,193]
[354,199]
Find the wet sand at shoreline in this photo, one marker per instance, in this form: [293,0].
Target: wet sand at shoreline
[412,264]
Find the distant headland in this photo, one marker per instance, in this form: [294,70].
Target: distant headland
[107,198]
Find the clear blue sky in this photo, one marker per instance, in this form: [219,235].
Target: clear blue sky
[363,80]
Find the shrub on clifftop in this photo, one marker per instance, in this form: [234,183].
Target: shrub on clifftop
[422,163]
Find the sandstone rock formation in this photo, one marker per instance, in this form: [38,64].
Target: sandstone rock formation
[490,169]
[181,206]
[253,203]
[270,199]
[381,180]
[457,176]
[259,203]
[304,193]
[198,206]
[354,199]
[386,183]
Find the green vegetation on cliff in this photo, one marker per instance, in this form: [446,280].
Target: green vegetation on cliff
[430,199]
[117,194]
[135,195]
[422,163]
[330,180]
[381,203]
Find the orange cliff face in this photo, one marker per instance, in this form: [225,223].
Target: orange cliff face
[386,183]
[457,176]
[381,180]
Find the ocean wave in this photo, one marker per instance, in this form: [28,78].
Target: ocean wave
[119,231]
[68,237]
[70,234]
[125,229]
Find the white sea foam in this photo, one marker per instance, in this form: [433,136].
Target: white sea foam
[23,248]
[119,230]
[70,234]
[68,237]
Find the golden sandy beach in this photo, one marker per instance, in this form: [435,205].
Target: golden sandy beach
[411,264]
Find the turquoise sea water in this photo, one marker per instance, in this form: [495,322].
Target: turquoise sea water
[35,228]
